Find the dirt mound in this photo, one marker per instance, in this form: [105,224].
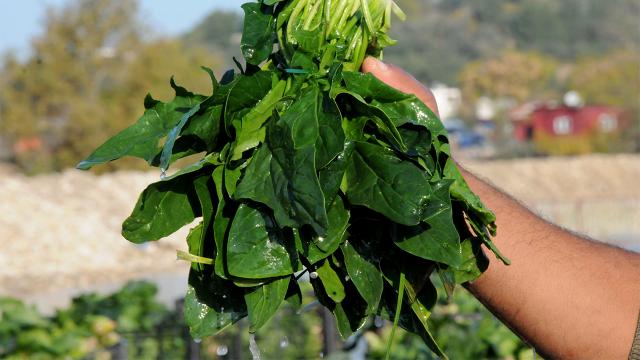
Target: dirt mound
[63,230]
[564,178]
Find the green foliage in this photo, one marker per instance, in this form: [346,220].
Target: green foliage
[313,166]
[89,327]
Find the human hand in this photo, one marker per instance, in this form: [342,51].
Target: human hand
[400,80]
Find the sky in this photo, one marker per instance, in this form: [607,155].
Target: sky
[20,20]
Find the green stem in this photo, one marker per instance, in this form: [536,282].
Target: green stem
[336,15]
[183,255]
[292,22]
[396,318]
[311,16]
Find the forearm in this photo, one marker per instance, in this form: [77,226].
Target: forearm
[569,297]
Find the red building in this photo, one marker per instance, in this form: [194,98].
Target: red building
[569,129]
[557,121]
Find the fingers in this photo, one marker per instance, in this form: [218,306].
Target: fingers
[400,80]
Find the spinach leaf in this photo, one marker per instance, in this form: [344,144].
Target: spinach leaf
[436,238]
[162,208]
[211,304]
[256,248]
[263,301]
[141,139]
[381,181]
[365,274]
[257,37]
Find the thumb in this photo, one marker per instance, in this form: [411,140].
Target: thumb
[400,80]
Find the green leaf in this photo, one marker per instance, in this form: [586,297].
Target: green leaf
[436,238]
[413,315]
[315,248]
[365,275]
[331,176]
[141,139]
[211,304]
[201,247]
[257,35]
[205,126]
[323,246]
[256,248]
[263,301]
[421,326]
[282,175]
[382,182]
[244,93]
[221,223]
[331,282]
[383,123]
[401,108]
[250,131]
[162,208]
[196,244]
[461,191]
[167,149]
[473,265]
[330,140]
[294,295]
[350,314]
[292,141]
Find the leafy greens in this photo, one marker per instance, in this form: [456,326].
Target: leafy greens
[309,165]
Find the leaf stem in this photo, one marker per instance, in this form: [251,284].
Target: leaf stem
[396,318]
[182,255]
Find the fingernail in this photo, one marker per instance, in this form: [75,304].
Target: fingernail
[381,65]
[376,64]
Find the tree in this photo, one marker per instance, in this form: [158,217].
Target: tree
[513,75]
[220,32]
[86,80]
[614,80]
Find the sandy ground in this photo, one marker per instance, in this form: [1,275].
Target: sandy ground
[62,231]
[564,178]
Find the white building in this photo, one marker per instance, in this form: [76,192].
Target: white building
[449,100]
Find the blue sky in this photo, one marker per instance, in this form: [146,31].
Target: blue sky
[20,20]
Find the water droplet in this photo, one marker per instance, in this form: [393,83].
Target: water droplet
[313,275]
[222,350]
[347,278]
[224,296]
[197,340]
[320,239]
[284,342]
[222,310]
[203,312]
[253,347]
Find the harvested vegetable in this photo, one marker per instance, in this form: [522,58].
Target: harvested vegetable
[308,165]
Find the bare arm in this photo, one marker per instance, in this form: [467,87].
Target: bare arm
[569,297]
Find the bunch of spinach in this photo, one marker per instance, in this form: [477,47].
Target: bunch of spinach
[310,166]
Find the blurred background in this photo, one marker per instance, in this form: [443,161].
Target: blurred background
[542,98]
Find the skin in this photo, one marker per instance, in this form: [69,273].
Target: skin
[567,296]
